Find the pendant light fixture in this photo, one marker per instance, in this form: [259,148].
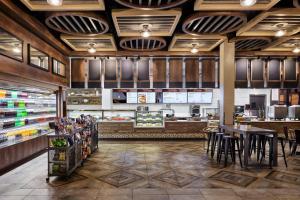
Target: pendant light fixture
[296,50]
[146,32]
[194,49]
[55,2]
[92,48]
[16,48]
[281,30]
[247,3]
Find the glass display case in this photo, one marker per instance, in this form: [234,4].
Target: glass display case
[24,115]
[118,115]
[151,119]
[97,114]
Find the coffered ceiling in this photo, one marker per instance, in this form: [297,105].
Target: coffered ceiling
[171,25]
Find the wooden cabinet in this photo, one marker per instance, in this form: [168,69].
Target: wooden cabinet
[175,72]
[127,73]
[159,72]
[94,74]
[78,73]
[143,80]
[192,72]
[208,73]
[241,72]
[110,75]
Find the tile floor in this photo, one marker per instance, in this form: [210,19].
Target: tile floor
[153,171]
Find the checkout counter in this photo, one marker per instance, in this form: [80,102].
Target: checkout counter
[162,124]
[278,116]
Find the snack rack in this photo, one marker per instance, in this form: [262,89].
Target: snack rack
[64,153]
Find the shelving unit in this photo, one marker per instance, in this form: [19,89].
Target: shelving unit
[152,119]
[24,114]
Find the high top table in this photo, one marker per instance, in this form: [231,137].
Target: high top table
[246,131]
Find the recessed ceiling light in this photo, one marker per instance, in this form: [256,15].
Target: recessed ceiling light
[92,48]
[194,49]
[281,29]
[247,3]
[55,2]
[146,32]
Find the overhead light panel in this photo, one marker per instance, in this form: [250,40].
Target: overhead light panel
[194,49]
[55,2]
[146,32]
[247,3]
[92,48]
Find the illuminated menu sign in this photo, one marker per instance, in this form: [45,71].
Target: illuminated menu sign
[131,97]
[199,96]
[174,96]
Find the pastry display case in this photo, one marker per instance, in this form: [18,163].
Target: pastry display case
[152,119]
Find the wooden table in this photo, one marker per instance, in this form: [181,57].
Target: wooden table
[246,131]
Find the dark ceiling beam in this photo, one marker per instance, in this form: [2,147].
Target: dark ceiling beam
[32,24]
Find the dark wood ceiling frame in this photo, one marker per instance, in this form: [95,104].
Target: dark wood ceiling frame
[143,44]
[77,23]
[33,25]
[251,43]
[207,23]
[151,4]
[296,3]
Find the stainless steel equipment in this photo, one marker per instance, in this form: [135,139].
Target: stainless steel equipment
[294,112]
[195,110]
[142,108]
[278,112]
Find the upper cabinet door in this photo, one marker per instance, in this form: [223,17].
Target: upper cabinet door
[159,72]
[241,68]
[257,70]
[175,71]
[192,72]
[95,70]
[290,69]
[274,70]
[208,73]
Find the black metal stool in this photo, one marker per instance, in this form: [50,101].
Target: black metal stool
[228,144]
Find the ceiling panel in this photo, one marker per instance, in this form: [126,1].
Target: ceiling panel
[129,22]
[251,43]
[77,23]
[232,5]
[268,23]
[82,43]
[206,23]
[203,43]
[151,4]
[284,44]
[143,44]
[68,5]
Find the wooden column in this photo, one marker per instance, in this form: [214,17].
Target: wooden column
[227,77]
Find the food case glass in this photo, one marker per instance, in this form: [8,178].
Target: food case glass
[151,119]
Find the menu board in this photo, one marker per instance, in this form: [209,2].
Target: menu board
[146,97]
[131,97]
[174,97]
[199,97]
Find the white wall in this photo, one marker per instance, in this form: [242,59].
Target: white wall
[242,96]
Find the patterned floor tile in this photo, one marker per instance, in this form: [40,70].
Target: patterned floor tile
[234,178]
[176,178]
[120,178]
[284,177]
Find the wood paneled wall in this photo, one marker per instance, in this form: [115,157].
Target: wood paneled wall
[208,72]
[159,72]
[22,68]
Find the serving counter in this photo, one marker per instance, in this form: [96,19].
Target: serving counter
[171,130]
[274,124]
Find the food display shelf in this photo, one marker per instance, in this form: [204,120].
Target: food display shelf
[149,119]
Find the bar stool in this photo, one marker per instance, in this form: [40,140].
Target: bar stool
[228,144]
